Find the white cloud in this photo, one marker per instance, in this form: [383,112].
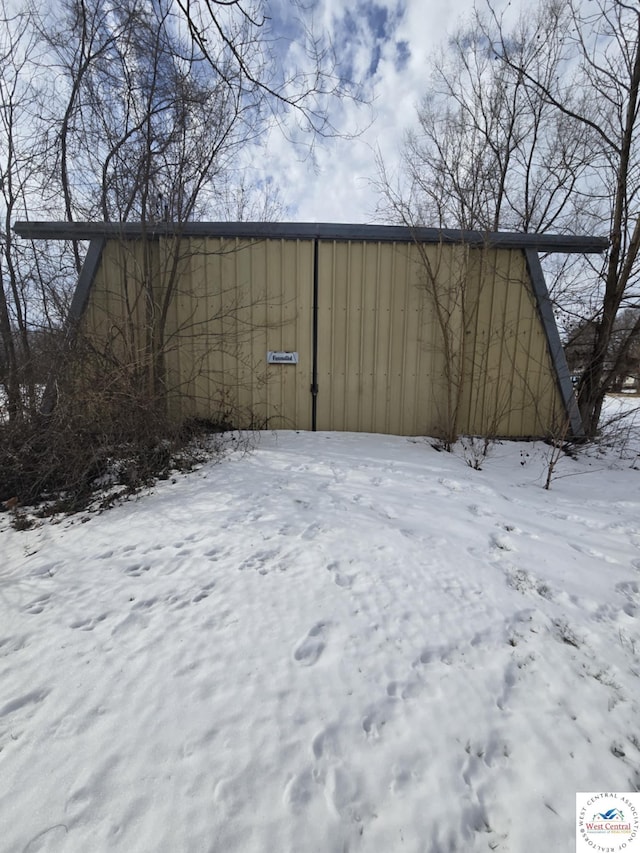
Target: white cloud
[396,39]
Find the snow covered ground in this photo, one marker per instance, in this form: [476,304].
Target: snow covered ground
[333,643]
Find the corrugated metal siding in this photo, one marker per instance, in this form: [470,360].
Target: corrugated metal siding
[510,386]
[377,359]
[381,354]
[116,311]
[232,302]
[244,300]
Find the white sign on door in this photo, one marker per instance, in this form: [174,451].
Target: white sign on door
[282,357]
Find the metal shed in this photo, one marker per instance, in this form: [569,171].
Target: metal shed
[334,327]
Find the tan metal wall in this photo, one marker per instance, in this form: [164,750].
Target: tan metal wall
[244,299]
[510,385]
[386,311]
[378,368]
[232,301]
[412,340]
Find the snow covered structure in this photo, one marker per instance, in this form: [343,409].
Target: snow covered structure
[332,327]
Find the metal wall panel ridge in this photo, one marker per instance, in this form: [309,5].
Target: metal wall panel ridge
[379,362]
[241,300]
[227,302]
[510,384]
[415,339]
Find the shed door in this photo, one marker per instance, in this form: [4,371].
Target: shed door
[370,346]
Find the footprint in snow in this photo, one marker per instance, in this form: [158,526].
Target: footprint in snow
[403,689]
[340,578]
[630,589]
[591,552]
[48,569]
[451,485]
[509,682]
[299,791]
[480,511]
[204,592]
[88,624]
[311,532]
[258,562]
[29,700]
[326,743]
[144,604]
[444,654]
[374,722]
[79,801]
[37,605]
[501,542]
[136,570]
[342,790]
[311,647]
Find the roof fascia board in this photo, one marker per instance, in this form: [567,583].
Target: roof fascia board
[309,230]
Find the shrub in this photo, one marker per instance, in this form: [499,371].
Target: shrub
[102,433]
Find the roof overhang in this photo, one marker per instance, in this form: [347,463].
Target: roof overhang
[309,230]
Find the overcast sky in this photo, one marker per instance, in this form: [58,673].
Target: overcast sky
[387,44]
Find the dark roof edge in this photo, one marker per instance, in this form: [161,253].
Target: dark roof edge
[309,230]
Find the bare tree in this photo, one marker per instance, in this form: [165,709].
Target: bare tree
[150,105]
[623,359]
[160,100]
[22,306]
[533,127]
[486,154]
[599,94]
[241,198]
[186,83]
[236,40]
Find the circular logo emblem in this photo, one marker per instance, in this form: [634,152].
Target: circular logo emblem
[607,821]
